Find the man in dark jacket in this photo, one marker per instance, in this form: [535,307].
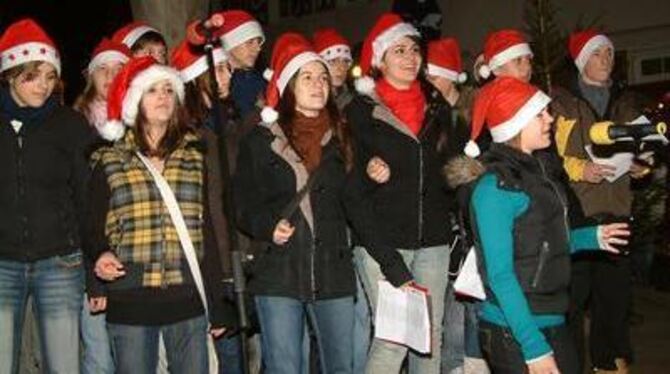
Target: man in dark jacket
[605,279]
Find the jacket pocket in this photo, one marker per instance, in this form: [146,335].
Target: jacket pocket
[70,261]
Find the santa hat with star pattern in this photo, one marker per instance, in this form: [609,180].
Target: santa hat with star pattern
[25,41]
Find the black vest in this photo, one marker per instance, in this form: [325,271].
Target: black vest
[541,242]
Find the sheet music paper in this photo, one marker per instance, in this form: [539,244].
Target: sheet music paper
[403,316]
[469,282]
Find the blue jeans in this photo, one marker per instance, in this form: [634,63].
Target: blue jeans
[460,332]
[453,343]
[135,348]
[429,267]
[229,354]
[97,355]
[282,322]
[362,328]
[56,285]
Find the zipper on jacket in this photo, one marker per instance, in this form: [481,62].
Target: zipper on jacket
[544,252]
[312,275]
[563,202]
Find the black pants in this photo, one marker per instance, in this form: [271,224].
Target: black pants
[503,353]
[601,283]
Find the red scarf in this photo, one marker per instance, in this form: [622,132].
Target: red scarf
[407,105]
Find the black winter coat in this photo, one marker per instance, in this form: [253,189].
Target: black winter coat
[316,263]
[411,210]
[42,185]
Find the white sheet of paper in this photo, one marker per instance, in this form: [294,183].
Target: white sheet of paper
[403,316]
[469,282]
[621,161]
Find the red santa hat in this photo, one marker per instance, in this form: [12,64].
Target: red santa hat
[131,32]
[583,43]
[500,47]
[25,41]
[192,63]
[444,60]
[506,105]
[126,91]
[388,30]
[108,51]
[291,52]
[238,27]
[331,45]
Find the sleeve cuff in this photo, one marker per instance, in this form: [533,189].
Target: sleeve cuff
[538,358]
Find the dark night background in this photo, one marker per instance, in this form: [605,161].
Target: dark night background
[76,26]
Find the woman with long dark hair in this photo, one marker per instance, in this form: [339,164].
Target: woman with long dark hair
[288,195]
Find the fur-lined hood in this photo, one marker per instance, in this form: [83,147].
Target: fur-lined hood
[462,170]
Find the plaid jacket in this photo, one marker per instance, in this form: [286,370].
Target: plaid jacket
[139,227]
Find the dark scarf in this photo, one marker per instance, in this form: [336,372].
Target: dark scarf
[408,105]
[306,134]
[10,110]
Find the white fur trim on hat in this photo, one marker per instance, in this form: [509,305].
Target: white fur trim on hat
[27,52]
[336,51]
[142,82]
[452,75]
[269,115]
[365,84]
[293,66]
[387,38]
[508,129]
[200,65]
[268,73]
[105,57]
[472,149]
[242,33]
[484,71]
[137,33]
[590,47]
[498,60]
[111,130]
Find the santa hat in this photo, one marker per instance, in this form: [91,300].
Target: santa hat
[444,60]
[192,63]
[126,91]
[331,45]
[388,30]
[131,32]
[25,41]
[291,52]
[502,46]
[108,51]
[506,105]
[238,27]
[583,43]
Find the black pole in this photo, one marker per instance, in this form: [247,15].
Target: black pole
[236,255]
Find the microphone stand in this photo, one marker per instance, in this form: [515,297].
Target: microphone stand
[236,254]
